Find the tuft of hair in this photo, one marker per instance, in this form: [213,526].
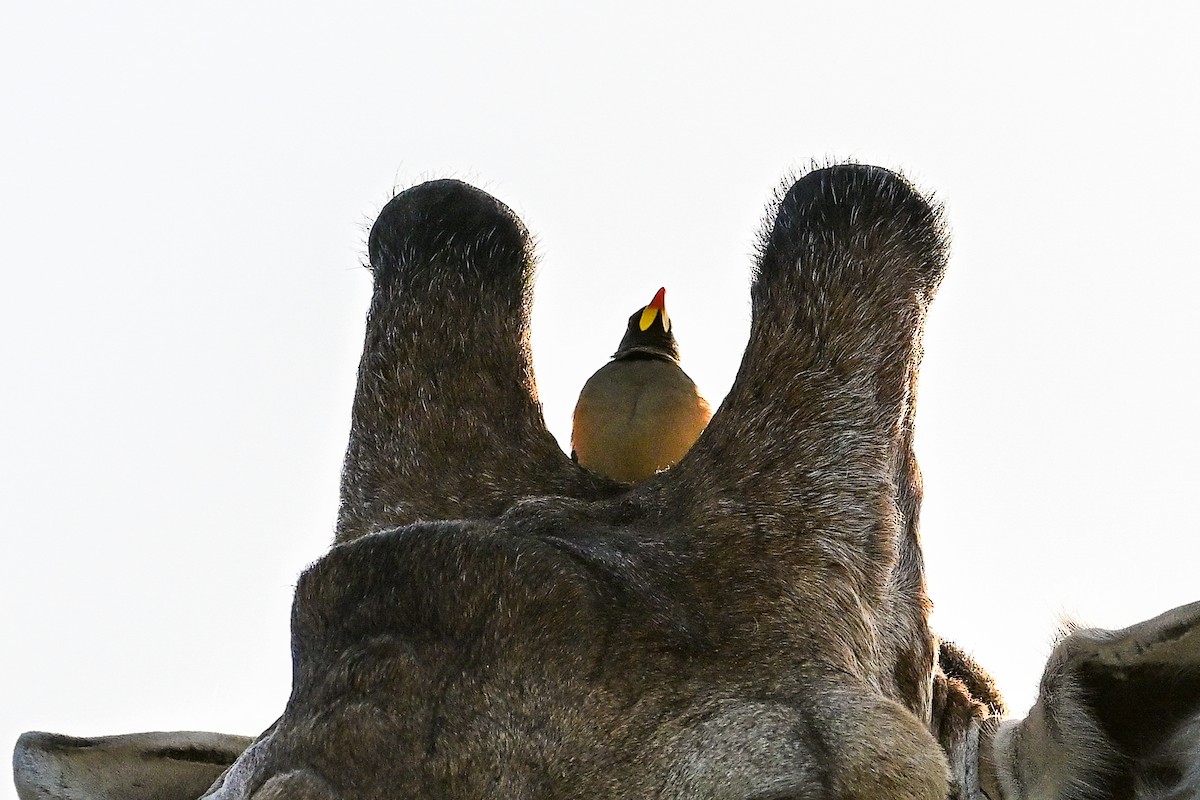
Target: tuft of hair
[960,666]
[780,192]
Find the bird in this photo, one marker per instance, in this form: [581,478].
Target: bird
[639,413]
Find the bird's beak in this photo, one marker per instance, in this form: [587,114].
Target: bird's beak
[657,306]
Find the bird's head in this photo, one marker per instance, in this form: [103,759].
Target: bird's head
[649,332]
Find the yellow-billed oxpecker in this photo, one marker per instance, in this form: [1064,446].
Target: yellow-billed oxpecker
[640,412]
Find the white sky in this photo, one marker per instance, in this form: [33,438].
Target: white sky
[185,197]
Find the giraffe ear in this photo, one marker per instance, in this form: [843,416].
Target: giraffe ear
[179,765]
[1118,711]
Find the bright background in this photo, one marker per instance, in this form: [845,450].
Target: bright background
[186,191]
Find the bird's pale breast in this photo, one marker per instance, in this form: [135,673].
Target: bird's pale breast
[635,417]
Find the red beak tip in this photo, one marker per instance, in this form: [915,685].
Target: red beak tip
[660,298]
